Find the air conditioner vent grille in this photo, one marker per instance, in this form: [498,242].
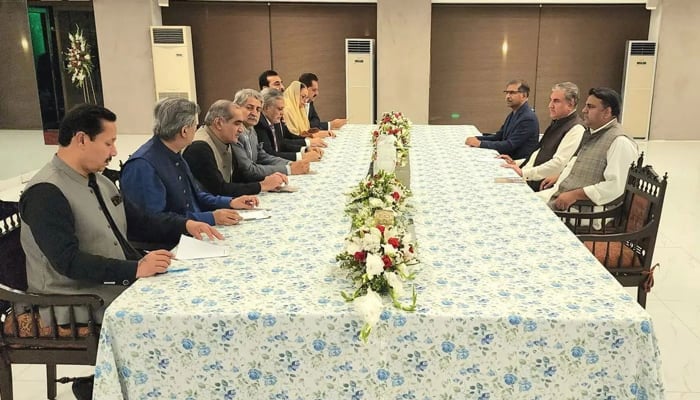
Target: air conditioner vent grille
[643,49]
[359,46]
[168,36]
[173,95]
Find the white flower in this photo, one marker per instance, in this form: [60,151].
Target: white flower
[369,307]
[371,241]
[389,250]
[375,202]
[375,265]
[352,247]
[395,282]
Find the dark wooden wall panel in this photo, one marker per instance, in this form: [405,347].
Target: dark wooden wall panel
[469,68]
[231,45]
[585,45]
[311,38]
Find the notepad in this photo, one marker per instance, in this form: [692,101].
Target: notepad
[191,249]
[284,189]
[249,215]
[516,179]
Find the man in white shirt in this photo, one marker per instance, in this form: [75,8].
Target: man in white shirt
[559,141]
[598,171]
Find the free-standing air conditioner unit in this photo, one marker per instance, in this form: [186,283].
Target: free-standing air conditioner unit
[638,87]
[359,81]
[173,64]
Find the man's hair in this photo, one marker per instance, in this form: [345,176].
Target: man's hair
[242,96]
[270,96]
[609,98]
[262,80]
[307,78]
[570,91]
[523,86]
[83,118]
[219,109]
[171,115]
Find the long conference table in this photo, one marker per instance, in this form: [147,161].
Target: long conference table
[510,304]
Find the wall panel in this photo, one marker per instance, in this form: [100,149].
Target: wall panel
[311,38]
[585,45]
[475,50]
[231,44]
[19,98]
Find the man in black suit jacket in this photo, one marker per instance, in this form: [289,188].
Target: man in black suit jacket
[311,81]
[276,139]
[520,133]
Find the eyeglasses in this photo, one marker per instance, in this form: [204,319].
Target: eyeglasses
[511,92]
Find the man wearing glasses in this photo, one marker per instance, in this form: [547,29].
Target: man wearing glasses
[519,134]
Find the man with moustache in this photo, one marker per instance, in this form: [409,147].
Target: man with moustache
[75,221]
[560,139]
[311,81]
[520,132]
[598,171]
[210,156]
[159,180]
[271,79]
[252,162]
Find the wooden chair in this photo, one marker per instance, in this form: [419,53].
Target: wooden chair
[24,337]
[625,243]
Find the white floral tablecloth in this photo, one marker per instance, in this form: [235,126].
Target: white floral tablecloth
[510,304]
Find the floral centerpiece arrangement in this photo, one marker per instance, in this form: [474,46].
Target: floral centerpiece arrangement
[379,253]
[395,123]
[378,260]
[381,191]
[79,64]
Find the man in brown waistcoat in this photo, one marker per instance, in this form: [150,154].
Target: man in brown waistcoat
[559,141]
[598,171]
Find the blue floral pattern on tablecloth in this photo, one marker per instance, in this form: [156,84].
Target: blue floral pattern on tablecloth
[510,304]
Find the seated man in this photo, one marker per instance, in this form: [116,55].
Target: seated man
[252,162]
[311,81]
[520,132]
[598,171]
[210,156]
[158,179]
[74,220]
[560,139]
[271,132]
[271,79]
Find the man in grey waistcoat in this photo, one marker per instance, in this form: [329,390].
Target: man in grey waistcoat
[598,171]
[75,221]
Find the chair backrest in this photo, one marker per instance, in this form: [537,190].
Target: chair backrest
[644,197]
[13,269]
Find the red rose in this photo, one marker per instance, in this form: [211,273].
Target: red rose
[394,242]
[360,256]
[396,196]
[410,249]
[375,133]
[381,228]
[387,262]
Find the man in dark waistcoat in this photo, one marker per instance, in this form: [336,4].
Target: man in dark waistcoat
[559,141]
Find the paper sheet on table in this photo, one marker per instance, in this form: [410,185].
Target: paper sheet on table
[285,189]
[254,214]
[191,248]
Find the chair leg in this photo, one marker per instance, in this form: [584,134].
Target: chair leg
[5,377]
[51,381]
[642,296]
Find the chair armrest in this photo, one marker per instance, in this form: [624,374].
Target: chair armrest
[645,231]
[613,211]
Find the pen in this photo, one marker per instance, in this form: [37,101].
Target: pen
[178,269]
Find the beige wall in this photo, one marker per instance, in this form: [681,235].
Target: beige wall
[677,86]
[126,62]
[403,57]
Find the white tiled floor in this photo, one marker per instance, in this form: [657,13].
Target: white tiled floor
[674,302]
